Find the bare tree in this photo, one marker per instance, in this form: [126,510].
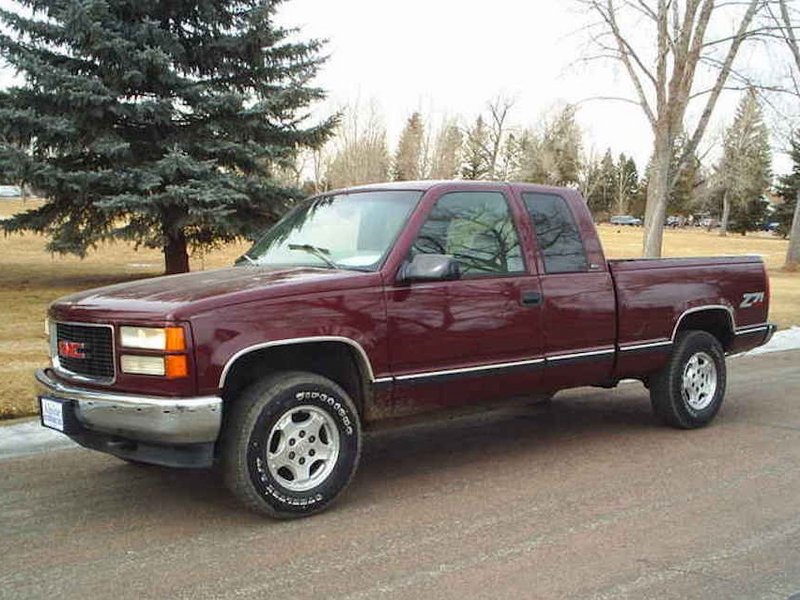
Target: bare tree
[663,69]
[787,22]
[497,133]
[793,252]
[361,154]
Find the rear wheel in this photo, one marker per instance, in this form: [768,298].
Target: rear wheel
[688,392]
[291,444]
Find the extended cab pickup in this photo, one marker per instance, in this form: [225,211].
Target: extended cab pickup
[382,301]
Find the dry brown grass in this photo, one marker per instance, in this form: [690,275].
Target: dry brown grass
[30,279]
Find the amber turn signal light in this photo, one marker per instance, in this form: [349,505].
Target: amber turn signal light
[176,366]
[175,340]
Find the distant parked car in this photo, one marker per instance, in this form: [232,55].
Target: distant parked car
[772,226]
[708,222]
[625,220]
[10,191]
[674,221]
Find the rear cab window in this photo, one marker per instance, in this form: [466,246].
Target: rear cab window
[557,234]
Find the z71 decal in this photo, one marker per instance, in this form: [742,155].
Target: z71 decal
[751,299]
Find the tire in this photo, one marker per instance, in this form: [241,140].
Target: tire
[688,392]
[274,441]
[542,399]
[137,463]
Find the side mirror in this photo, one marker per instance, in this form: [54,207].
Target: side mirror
[430,267]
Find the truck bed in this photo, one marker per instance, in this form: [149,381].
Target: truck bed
[655,295]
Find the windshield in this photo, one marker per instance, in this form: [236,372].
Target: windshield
[347,231]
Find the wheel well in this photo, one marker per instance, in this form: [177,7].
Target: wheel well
[335,360]
[715,321]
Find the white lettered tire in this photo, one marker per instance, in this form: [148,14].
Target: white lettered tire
[291,444]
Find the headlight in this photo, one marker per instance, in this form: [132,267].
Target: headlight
[171,366]
[170,339]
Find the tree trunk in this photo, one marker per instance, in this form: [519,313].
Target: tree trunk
[793,254]
[657,194]
[176,257]
[726,214]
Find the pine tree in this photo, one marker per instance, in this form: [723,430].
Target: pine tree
[589,185]
[626,184]
[407,158]
[508,163]
[554,156]
[608,182]
[476,161]
[788,188]
[638,203]
[561,147]
[156,122]
[532,168]
[743,173]
[748,216]
[682,196]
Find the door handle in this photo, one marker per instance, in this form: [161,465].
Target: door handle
[531,298]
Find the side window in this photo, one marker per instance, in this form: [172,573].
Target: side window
[477,229]
[559,240]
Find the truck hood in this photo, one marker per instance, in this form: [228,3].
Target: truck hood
[176,297]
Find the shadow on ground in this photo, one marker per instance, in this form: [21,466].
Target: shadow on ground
[528,432]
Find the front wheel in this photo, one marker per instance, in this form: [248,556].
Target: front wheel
[291,444]
[688,392]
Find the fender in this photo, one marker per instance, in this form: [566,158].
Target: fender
[363,358]
[708,307]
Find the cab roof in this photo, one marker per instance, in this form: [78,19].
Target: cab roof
[425,185]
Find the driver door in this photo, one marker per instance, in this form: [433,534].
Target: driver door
[455,342]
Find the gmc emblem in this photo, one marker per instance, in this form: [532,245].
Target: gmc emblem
[71,349]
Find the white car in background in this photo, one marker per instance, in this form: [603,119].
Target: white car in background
[625,220]
[10,191]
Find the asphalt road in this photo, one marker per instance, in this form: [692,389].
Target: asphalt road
[588,498]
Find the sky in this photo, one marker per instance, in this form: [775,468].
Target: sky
[450,57]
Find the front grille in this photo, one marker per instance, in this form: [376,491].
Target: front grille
[86,350]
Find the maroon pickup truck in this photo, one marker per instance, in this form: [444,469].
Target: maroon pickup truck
[382,301]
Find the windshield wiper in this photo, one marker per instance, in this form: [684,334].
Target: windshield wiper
[320,253]
[248,258]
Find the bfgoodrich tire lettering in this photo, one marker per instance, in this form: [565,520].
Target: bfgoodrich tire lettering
[688,392]
[250,439]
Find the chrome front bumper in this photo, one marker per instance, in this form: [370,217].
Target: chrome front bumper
[155,419]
